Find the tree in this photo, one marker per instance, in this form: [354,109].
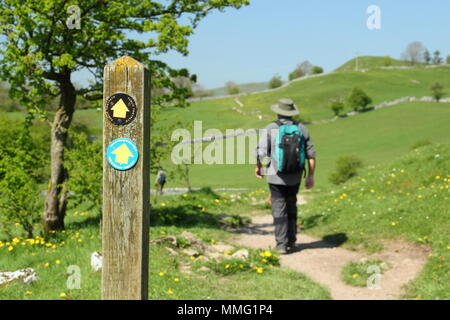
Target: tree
[301,70]
[437,89]
[414,52]
[317,70]
[232,87]
[427,56]
[337,106]
[45,42]
[275,82]
[186,83]
[448,59]
[358,99]
[306,67]
[437,57]
[297,73]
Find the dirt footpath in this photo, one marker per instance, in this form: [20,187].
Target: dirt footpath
[323,262]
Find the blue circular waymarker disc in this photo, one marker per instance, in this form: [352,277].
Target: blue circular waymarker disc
[122,154]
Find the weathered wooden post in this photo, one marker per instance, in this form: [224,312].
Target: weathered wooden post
[126,185]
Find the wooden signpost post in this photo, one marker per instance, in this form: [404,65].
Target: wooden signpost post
[126,185]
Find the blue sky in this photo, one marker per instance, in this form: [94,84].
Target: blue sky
[271,37]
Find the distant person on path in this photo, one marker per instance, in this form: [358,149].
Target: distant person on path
[160,181]
[288,146]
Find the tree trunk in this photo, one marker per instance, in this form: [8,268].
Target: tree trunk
[55,203]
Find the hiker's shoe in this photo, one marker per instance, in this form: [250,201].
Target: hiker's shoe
[291,247]
[282,250]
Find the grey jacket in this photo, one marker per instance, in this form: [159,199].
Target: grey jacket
[264,152]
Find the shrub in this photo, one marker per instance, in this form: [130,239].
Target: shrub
[358,99]
[437,90]
[21,162]
[297,73]
[301,70]
[337,107]
[232,87]
[317,70]
[275,82]
[201,93]
[420,143]
[387,61]
[346,168]
[84,165]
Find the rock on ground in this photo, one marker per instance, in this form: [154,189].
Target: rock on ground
[27,276]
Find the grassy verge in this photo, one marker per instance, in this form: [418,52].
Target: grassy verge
[357,273]
[407,199]
[206,214]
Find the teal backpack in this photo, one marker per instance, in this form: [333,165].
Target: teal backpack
[290,150]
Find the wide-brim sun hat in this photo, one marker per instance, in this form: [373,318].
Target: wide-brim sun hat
[285,107]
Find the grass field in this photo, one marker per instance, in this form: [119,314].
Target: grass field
[172,215]
[408,199]
[376,137]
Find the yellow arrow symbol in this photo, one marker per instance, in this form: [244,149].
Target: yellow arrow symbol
[120,109]
[122,154]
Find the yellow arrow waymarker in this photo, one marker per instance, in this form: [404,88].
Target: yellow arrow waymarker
[122,154]
[120,109]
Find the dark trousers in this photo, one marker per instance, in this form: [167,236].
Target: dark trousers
[284,212]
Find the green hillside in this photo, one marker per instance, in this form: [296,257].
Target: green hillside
[405,199]
[244,88]
[313,95]
[376,137]
[371,62]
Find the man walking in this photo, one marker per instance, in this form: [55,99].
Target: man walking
[288,146]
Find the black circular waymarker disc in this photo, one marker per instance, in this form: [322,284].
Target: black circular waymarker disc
[121,108]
